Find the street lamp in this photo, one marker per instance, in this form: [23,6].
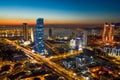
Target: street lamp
[74,74]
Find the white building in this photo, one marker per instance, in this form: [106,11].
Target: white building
[112,51]
[79,43]
[72,44]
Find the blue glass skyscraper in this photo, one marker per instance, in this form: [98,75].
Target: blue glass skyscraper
[39,36]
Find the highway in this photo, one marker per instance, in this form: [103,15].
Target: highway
[69,75]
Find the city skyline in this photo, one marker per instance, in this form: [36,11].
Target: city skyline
[59,11]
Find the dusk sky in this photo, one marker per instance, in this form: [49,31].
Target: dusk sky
[59,11]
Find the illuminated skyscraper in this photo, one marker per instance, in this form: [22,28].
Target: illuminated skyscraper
[25,31]
[107,35]
[78,43]
[72,44]
[110,35]
[39,36]
[32,34]
[105,32]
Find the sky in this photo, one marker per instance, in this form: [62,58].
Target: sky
[59,11]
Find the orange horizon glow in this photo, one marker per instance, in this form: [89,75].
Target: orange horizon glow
[18,22]
[16,12]
[13,22]
[33,22]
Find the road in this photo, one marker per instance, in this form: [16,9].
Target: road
[60,56]
[65,55]
[69,75]
[111,58]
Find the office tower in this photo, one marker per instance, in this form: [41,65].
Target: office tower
[84,38]
[110,35]
[39,36]
[73,35]
[72,44]
[50,32]
[32,34]
[78,43]
[107,36]
[105,33]
[25,31]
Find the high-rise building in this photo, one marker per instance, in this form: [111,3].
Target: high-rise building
[107,36]
[72,44]
[78,43]
[25,31]
[32,34]
[50,32]
[39,36]
[110,35]
[105,32]
[84,38]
